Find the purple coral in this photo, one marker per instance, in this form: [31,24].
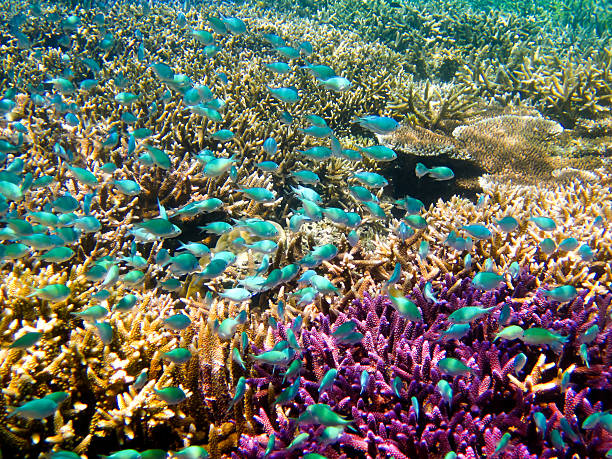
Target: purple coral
[485,405]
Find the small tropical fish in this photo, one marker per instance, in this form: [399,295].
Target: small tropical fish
[227,329]
[543,337]
[503,443]
[92,313]
[126,303]
[270,146]
[455,331]
[562,293]
[379,153]
[320,413]
[404,306]
[371,179]
[423,249]
[486,280]
[336,83]
[590,335]
[364,380]
[519,362]
[190,452]
[236,295]
[353,238]
[568,244]
[28,339]
[477,231]
[177,322]
[584,354]
[39,408]
[511,332]
[328,380]
[297,441]
[445,390]
[454,367]
[289,393]
[541,422]
[171,395]
[586,253]
[52,292]
[104,332]
[179,355]
[323,285]
[276,358]
[544,223]
[286,95]
[468,314]
[547,246]
[321,72]
[293,370]
[416,222]
[382,125]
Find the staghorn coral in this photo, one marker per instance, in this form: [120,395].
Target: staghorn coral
[383,422]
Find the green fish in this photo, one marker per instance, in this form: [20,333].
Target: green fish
[286,95]
[445,390]
[543,337]
[57,255]
[323,285]
[171,395]
[126,98]
[561,294]
[227,329]
[52,292]
[547,246]
[371,179]
[455,331]
[297,441]
[35,409]
[478,231]
[544,223]
[590,335]
[104,332]
[84,176]
[93,313]
[382,125]
[289,393]
[336,83]
[454,367]
[190,452]
[486,280]
[276,358]
[179,355]
[511,332]
[507,224]
[416,222]
[27,340]
[379,153]
[124,454]
[406,308]
[160,158]
[503,443]
[320,413]
[159,227]
[467,314]
[177,322]
[259,194]
[328,380]
[278,67]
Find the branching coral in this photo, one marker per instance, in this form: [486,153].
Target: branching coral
[401,360]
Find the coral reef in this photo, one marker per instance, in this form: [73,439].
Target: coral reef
[402,359]
[125,125]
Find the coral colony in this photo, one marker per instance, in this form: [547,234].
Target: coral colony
[305,229]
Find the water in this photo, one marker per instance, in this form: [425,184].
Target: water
[303,229]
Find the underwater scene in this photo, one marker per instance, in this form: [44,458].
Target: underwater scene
[305,229]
